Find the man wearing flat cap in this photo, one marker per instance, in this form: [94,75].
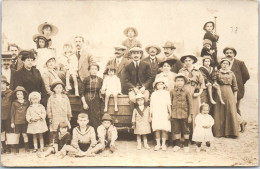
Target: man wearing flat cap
[17,63]
[120,63]
[152,59]
[7,71]
[241,72]
[138,75]
[169,53]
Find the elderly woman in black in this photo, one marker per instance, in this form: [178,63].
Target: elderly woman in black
[90,95]
[29,77]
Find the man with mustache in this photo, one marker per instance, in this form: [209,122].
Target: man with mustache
[153,60]
[138,77]
[242,75]
[169,53]
[120,62]
[17,63]
[85,57]
[7,71]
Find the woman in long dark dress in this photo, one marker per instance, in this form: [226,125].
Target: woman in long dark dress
[225,115]
[90,96]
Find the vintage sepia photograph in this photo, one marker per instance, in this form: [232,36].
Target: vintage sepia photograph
[129,83]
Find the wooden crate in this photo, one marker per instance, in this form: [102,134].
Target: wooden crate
[122,118]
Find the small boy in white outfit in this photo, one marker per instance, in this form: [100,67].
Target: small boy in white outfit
[69,62]
[111,86]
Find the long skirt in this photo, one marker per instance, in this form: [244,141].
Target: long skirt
[94,111]
[225,115]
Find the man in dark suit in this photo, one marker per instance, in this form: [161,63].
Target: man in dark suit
[120,62]
[241,72]
[153,60]
[169,53]
[138,75]
[7,71]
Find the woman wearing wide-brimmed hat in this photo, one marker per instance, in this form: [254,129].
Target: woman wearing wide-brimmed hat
[90,95]
[42,51]
[130,42]
[48,30]
[166,66]
[195,84]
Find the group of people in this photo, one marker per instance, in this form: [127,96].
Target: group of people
[167,95]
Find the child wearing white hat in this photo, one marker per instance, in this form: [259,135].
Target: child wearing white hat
[35,116]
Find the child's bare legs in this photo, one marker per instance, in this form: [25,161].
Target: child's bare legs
[145,142]
[158,139]
[164,136]
[139,143]
[210,94]
[107,95]
[25,139]
[41,141]
[115,101]
[68,87]
[219,94]
[35,143]
[76,86]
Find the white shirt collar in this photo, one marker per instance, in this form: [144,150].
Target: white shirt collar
[137,62]
[119,59]
[141,107]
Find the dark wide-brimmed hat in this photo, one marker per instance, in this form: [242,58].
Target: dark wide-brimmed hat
[26,54]
[190,55]
[169,44]
[36,37]
[107,116]
[153,46]
[230,48]
[204,27]
[169,60]
[20,88]
[128,28]
[93,64]
[54,29]
[55,83]
[180,75]
[4,79]
[224,59]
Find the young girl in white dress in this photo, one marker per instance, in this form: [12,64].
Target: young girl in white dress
[35,116]
[203,129]
[141,121]
[160,111]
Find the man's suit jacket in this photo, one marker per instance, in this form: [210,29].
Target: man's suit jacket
[154,67]
[242,75]
[11,78]
[120,71]
[144,75]
[85,60]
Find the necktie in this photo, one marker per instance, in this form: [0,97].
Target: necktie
[78,54]
[136,65]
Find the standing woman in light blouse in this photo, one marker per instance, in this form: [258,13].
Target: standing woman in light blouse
[225,115]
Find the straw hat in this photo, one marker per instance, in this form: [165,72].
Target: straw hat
[169,44]
[107,116]
[4,79]
[181,75]
[230,48]
[55,83]
[133,28]
[53,28]
[153,46]
[159,80]
[34,94]
[190,55]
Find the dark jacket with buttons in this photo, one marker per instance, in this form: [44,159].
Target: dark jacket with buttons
[6,103]
[18,112]
[181,103]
